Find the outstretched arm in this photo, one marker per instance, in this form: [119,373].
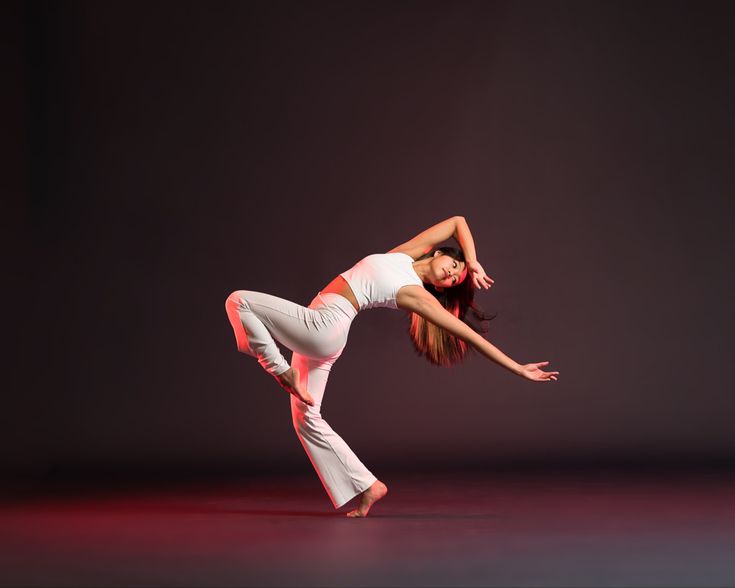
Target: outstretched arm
[416,299]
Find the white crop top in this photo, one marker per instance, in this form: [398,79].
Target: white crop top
[376,279]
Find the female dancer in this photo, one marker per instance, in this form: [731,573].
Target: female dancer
[436,287]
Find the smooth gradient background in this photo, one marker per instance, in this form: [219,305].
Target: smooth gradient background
[162,155]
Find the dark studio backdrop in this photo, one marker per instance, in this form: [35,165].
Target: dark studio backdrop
[165,154]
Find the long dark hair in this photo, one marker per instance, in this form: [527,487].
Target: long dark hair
[434,343]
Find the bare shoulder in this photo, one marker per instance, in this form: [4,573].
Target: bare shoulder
[411,296]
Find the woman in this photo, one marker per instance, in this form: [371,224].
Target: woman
[435,287]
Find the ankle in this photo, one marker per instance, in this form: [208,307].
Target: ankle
[285,376]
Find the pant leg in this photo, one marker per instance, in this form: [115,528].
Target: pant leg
[317,337]
[342,474]
[259,320]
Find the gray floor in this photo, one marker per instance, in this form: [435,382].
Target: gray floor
[543,529]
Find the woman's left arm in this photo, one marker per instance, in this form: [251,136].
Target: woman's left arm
[474,270]
[416,299]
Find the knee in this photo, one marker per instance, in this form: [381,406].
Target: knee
[235,304]
[235,300]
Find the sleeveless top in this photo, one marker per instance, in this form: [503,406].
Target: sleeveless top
[376,279]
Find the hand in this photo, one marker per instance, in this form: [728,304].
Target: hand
[478,275]
[532,371]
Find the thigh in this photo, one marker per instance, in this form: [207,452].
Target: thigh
[307,331]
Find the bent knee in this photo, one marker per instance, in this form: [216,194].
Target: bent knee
[235,299]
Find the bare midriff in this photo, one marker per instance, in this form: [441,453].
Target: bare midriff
[340,286]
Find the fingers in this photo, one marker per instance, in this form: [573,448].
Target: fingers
[480,278]
[544,376]
[486,283]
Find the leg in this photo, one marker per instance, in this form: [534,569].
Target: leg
[342,474]
[252,336]
[259,320]
[316,335]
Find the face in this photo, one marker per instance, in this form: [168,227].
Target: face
[447,271]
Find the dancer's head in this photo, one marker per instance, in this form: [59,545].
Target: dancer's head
[456,293]
[447,268]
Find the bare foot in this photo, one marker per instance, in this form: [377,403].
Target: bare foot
[289,381]
[368,498]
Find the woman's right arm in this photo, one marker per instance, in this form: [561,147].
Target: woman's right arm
[418,300]
[426,240]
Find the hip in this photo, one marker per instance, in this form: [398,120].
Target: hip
[337,304]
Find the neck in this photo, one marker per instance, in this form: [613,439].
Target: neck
[422,268]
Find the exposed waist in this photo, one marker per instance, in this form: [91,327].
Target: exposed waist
[339,285]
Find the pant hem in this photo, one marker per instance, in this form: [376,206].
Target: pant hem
[280,371]
[338,506]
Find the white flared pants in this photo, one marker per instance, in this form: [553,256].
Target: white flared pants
[316,335]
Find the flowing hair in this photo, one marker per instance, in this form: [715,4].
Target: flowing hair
[434,343]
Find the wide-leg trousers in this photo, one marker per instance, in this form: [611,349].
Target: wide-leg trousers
[316,335]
